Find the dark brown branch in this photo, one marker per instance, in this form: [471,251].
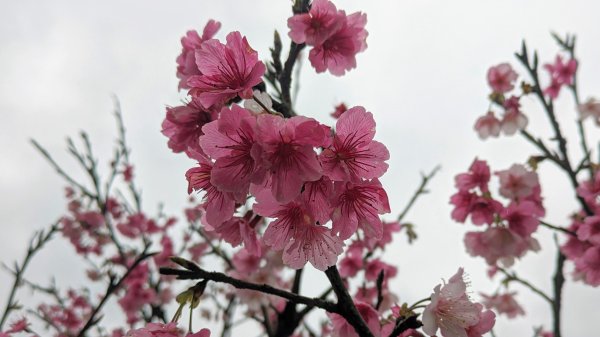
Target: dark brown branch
[404,324]
[345,304]
[240,284]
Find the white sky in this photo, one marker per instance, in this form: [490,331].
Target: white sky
[423,77]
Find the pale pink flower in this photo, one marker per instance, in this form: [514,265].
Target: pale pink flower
[501,78]
[245,262]
[450,309]
[359,206]
[590,108]
[183,126]
[186,61]
[264,98]
[590,230]
[354,155]
[522,218]
[227,71]
[219,205]
[477,177]
[341,327]
[562,72]
[589,190]
[487,319]
[517,182]
[316,26]
[288,152]
[338,52]
[503,304]
[232,142]
[498,244]
[488,126]
[513,121]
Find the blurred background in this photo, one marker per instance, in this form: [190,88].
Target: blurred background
[422,76]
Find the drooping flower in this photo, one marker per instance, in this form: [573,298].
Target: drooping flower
[338,52]
[477,177]
[487,319]
[352,262]
[499,244]
[503,304]
[316,26]
[219,205]
[232,142]
[588,265]
[358,205]
[517,182]
[488,126]
[186,61]
[501,78]
[354,155]
[227,71]
[288,152]
[513,119]
[450,309]
[183,126]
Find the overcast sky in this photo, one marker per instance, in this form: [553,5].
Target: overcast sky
[423,77]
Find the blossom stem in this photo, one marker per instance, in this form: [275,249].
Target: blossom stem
[514,277]
[37,242]
[557,228]
[421,190]
[416,304]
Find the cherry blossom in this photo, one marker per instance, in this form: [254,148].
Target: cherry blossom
[501,78]
[186,61]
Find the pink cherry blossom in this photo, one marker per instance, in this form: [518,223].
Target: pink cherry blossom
[186,61]
[589,190]
[354,155]
[590,230]
[315,244]
[227,71]
[358,206]
[183,125]
[483,210]
[501,78]
[589,266]
[553,89]
[488,126]
[562,72]
[498,244]
[338,52]
[288,152]
[590,108]
[238,230]
[339,110]
[352,262]
[504,304]
[487,320]
[513,121]
[232,142]
[522,217]
[245,262]
[477,177]
[375,266]
[450,309]
[462,201]
[517,182]
[341,327]
[219,205]
[317,196]
[137,225]
[164,330]
[316,26]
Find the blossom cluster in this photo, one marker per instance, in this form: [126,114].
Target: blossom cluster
[334,36]
[583,248]
[508,228]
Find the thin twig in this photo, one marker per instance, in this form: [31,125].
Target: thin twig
[425,178]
